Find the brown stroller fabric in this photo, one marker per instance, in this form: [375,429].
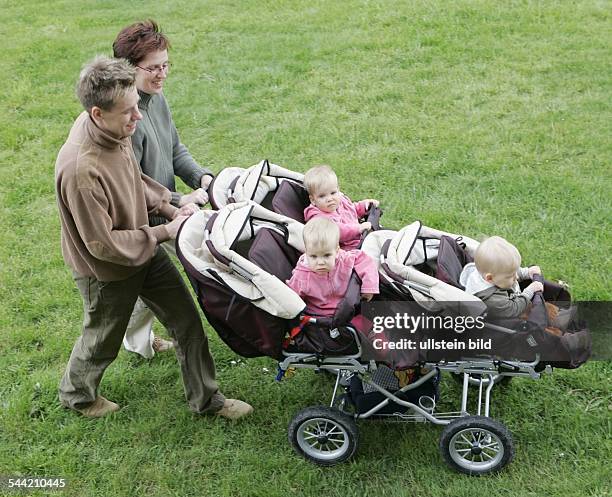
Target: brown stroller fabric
[452,257]
[290,200]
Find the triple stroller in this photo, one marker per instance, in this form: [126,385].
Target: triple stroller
[238,258]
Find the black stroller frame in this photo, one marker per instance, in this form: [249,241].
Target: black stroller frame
[474,444]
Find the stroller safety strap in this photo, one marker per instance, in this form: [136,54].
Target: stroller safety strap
[296,330]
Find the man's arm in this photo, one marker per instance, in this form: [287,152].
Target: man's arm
[134,247]
[157,198]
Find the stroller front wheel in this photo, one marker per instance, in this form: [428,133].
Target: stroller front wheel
[476,445]
[323,435]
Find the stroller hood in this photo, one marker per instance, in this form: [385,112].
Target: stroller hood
[236,184]
[397,252]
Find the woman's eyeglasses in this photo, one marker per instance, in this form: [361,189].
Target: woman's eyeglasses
[156,69]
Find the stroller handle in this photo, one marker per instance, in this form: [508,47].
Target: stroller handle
[374,214]
[373,218]
[538,297]
[539,278]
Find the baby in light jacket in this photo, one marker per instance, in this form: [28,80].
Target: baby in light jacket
[493,277]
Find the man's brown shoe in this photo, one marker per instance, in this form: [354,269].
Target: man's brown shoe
[98,408]
[234,409]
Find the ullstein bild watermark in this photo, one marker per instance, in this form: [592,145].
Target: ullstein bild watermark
[405,332]
[433,344]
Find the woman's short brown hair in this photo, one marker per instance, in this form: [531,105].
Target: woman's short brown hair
[139,39]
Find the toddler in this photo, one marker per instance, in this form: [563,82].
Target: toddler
[327,200]
[322,274]
[493,277]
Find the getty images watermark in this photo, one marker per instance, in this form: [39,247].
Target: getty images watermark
[405,322]
[408,332]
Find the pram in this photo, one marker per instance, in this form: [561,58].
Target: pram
[238,259]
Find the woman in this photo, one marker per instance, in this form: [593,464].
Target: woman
[158,150]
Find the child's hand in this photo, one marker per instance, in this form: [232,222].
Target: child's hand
[367,296]
[533,270]
[372,202]
[536,286]
[365,227]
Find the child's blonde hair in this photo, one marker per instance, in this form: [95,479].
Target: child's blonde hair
[496,255]
[318,176]
[321,233]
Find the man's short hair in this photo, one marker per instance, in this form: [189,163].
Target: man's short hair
[318,176]
[103,81]
[137,40]
[496,255]
[321,233]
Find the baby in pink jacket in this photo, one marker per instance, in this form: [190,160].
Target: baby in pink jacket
[326,200]
[322,274]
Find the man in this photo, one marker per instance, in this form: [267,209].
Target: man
[104,202]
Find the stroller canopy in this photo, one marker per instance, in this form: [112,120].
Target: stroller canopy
[398,252]
[236,184]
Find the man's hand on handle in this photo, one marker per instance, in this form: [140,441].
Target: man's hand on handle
[198,196]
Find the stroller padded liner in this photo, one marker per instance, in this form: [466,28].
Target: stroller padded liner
[290,200]
[273,254]
[451,260]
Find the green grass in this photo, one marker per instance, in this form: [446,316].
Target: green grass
[476,117]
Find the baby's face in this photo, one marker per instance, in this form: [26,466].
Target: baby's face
[504,280]
[327,198]
[321,259]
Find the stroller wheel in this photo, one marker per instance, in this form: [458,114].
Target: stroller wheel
[324,435]
[474,380]
[476,445]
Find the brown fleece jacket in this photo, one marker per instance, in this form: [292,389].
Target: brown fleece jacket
[104,203]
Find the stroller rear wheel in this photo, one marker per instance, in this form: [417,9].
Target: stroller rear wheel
[476,445]
[324,435]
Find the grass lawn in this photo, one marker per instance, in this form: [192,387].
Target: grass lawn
[476,117]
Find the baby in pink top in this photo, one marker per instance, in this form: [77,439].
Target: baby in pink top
[322,274]
[326,200]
